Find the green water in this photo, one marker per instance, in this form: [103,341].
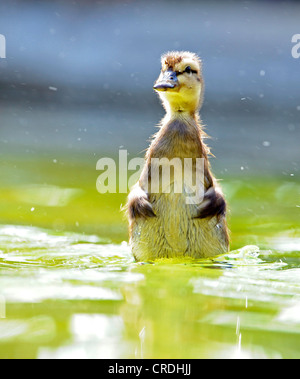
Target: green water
[69,287]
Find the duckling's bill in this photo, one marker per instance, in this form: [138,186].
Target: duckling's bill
[167,80]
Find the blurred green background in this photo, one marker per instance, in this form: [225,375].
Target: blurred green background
[76,86]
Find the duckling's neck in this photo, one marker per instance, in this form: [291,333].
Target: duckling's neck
[187,117]
[179,136]
[180,109]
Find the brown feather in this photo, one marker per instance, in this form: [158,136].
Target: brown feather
[163,225]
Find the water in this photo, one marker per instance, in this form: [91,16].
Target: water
[68,295]
[69,287]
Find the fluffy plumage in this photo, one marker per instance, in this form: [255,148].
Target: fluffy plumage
[163,224]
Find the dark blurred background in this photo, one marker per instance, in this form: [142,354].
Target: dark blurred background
[77,81]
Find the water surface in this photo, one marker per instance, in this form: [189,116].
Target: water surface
[69,287]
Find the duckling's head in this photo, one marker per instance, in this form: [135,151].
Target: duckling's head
[180,84]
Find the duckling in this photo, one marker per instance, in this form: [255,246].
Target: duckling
[163,224]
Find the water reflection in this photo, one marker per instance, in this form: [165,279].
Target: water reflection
[69,295]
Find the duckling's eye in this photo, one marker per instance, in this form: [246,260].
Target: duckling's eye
[187,70]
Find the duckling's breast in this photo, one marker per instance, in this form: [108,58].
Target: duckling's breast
[175,231]
[175,217]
